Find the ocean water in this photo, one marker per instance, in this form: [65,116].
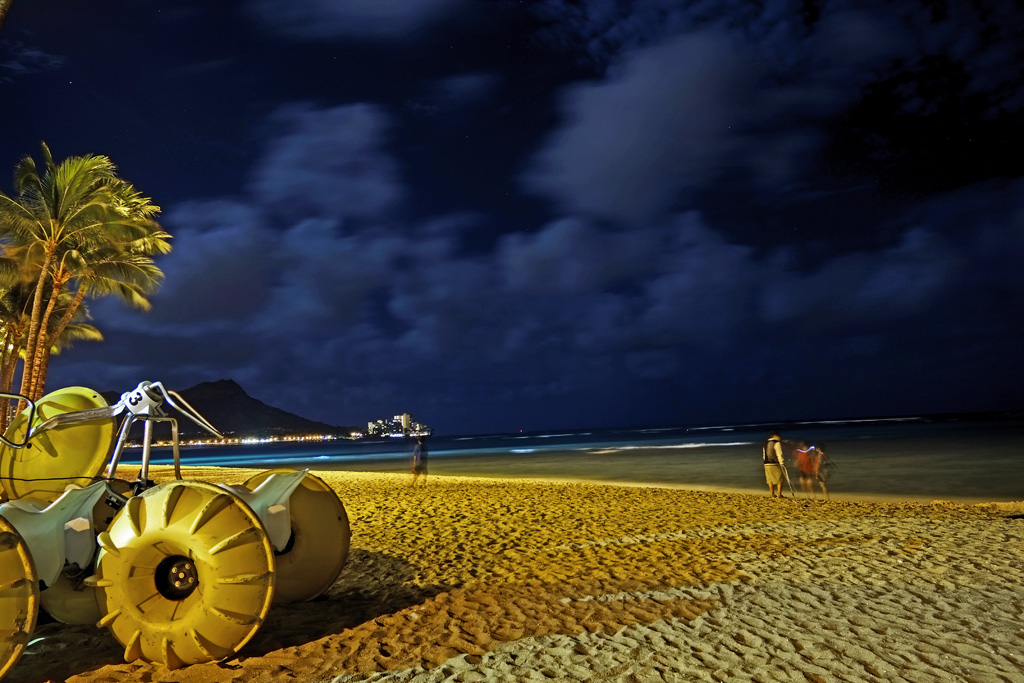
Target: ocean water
[922,458]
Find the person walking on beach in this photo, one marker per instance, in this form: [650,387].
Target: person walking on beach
[823,468]
[773,464]
[804,456]
[419,460]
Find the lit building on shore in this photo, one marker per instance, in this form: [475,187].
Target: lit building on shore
[399,425]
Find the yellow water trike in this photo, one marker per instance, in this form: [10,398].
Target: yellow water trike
[180,572]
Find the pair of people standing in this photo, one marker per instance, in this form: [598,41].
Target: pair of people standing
[810,460]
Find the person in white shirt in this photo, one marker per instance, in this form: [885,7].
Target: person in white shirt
[773,464]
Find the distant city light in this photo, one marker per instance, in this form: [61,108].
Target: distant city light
[398,426]
[249,440]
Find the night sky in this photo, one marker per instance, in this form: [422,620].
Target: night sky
[511,215]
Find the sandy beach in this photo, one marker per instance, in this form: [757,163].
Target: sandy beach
[473,579]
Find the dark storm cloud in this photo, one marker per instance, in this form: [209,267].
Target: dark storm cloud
[361,19]
[684,288]
[329,276]
[981,35]
[19,60]
[329,162]
[632,146]
[703,291]
[597,32]
[221,265]
[690,112]
[571,255]
[694,97]
[871,287]
[682,115]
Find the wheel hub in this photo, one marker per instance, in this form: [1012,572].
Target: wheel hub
[176,577]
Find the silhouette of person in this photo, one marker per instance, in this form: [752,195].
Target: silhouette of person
[821,470]
[806,465]
[419,460]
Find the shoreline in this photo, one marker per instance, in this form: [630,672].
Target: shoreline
[508,579]
[907,464]
[844,497]
[840,496]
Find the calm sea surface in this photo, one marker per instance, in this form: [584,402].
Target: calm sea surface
[905,458]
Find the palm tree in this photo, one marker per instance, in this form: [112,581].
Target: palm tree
[4,6]
[14,303]
[77,221]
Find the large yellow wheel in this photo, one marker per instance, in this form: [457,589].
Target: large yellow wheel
[19,596]
[318,547]
[185,574]
[69,454]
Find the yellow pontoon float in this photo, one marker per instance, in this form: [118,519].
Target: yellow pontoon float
[181,572]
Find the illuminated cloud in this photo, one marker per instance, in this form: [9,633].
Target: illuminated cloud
[330,163]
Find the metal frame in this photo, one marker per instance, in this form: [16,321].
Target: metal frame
[146,403]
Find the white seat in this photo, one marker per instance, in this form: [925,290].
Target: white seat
[58,533]
[269,501]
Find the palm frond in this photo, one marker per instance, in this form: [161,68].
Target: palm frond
[10,270]
[75,332]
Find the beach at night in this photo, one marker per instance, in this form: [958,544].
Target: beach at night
[481,579]
[696,321]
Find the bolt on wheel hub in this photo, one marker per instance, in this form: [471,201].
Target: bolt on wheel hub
[176,577]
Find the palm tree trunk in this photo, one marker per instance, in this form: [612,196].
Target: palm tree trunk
[6,354]
[8,361]
[69,314]
[41,371]
[43,342]
[33,328]
[8,368]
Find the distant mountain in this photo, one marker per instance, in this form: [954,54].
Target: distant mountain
[227,407]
